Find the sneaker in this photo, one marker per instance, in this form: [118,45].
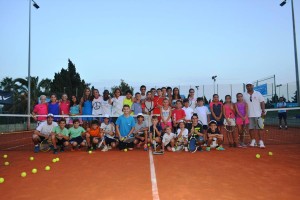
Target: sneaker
[55,151]
[145,147]
[62,149]
[186,149]
[253,143]
[205,144]
[280,127]
[220,149]
[200,149]
[207,148]
[36,148]
[285,127]
[261,144]
[104,148]
[109,147]
[239,145]
[173,149]
[94,146]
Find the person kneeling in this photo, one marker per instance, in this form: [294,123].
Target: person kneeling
[168,140]
[213,132]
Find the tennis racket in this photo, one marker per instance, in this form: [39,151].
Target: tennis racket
[155,152]
[45,145]
[101,142]
[260,122]
[244,133]
[129,139]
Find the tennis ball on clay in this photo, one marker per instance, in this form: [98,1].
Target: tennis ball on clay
[31,158]
[90,152]
[54,160]
[47,168]
[125,150]
[6,163]
[5,156]
[257,156]
[2,180]
[57,159]
[270,153]
[34,170]
[148,145]
[23,174]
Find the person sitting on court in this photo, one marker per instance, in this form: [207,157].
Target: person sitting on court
[43,131]
[125,127]
[76,135]
[155,132]
[94,135]
[213,132]
[60,136]
[168,140]
[108,129]
[196,129]
[141,132]
[182,136]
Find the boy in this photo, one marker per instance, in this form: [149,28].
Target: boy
[108,129]
[128,99]
[148,104]
[136,106]
[143,92]
[141,132]
[202,112]
[182,136]
[76,132]
[125,127]
[168,140]
[155,133]
[196,129]
[213,132]
[178,114]
[94,135]
[43,131]
[187,110]
[60,136]
[158,103]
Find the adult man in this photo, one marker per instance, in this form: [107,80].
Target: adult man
[143,92]
[40,109]
[43,131]
[256,110]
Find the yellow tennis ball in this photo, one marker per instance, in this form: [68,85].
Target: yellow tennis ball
[57,159]
[5,156]
[6,163]
[47,168]
[23,174]
[54,160]
[270,153]
[2,180]
[90,152]
[257,156]
[31,158]
[125,150]
[34,170]
[148,145]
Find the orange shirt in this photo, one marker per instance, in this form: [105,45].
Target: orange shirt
[95,132]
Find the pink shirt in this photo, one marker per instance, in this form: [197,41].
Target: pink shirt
[64,107]
[229,111]
[41,109]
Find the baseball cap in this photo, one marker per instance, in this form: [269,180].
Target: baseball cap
[106,116]
[249,83]
[140,114]
[50,115]
[212,122]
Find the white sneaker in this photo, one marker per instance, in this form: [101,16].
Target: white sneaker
[105,148]
[253,143]
[173,149]
[261,144]
[109,147]
[186,149]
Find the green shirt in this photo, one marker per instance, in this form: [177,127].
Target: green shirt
[58,130]
[76,132]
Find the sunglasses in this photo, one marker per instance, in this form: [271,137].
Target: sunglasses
[250,98]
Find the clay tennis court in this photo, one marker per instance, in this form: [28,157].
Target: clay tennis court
[231,174]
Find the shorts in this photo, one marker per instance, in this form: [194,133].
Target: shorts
[231,120]
[124,145]
[78,140]
[71,120]
[94,137]
[163,126]
[41,138]
[108,140]
[200,139]
[168,145]
[61,142]
[256,123]
[282,115]
[140,140]
[239,121]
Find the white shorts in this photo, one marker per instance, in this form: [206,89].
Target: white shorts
[231,120]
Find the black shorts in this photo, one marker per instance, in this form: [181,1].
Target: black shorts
[108,140]
[168,145]
[41,138]
[61,142]
[78,139]
[140,140]
[124,145]
[93,137]
[282,115]
[205,127]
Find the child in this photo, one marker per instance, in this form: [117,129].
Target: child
[216,109]
[106,104]
[229,115]
[76,132]
[53,106]
[141,132]
[155,132]
[93,136]
[136,106]
[178,114]
[64,106]
[75,109]
[213,132]
[117,104]
[128,99]
[108,130]
[176,96]
[188,111]
[60,136]
[125,127]
[149,105]
[202,113]
[166,113]
[87,107]
[168,140]
[282,113]
[182,136]
[242,119]
[158,103]
[196,129]
[192,99]
[96,103]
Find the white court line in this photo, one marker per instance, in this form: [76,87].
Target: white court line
[153,177]
[16,146]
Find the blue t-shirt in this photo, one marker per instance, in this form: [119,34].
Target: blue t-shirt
[53,108]
[136,108]
[125,124]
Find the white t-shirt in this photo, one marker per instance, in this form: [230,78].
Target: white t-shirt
[254,109]
[202,112]
[96,103]
[143,97]
[105,107]
[108,128]
[149,105]
[117,106]
[188,112]
[184,134]
[167,138]
[45,129]
[192,103]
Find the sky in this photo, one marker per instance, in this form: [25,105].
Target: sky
[152,42]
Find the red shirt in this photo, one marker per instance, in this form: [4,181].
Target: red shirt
[64,107]
[41,109]
[178,114]
[158,101]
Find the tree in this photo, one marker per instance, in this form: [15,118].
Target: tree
[68,81]
[123,87]
[294,98]
[7,84]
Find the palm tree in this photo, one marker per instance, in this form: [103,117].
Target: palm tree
[7,84]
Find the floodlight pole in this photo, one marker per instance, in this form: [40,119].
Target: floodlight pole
[29,64]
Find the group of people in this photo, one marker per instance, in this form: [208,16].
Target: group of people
[102,121]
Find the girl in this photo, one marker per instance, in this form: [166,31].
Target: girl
[176,96]
[168,140]
[53,107]
[182,136]
[117,104]
[242,119]
[216,108]
[75,109]
[87,108]
[192,99]
[166,113]
[229,121]
[106,104]
[96,103]
[64,106]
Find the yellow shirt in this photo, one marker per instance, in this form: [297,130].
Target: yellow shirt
[128,102]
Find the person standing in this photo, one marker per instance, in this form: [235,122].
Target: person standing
[282,113]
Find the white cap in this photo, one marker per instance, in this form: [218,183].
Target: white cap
[140,114]
[249,83]
[50,115]
[106,116]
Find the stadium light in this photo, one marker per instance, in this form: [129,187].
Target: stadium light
[29,61]
[295,51]
[214,78]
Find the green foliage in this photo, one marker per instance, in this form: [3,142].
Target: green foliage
[294,98]
[123,86]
